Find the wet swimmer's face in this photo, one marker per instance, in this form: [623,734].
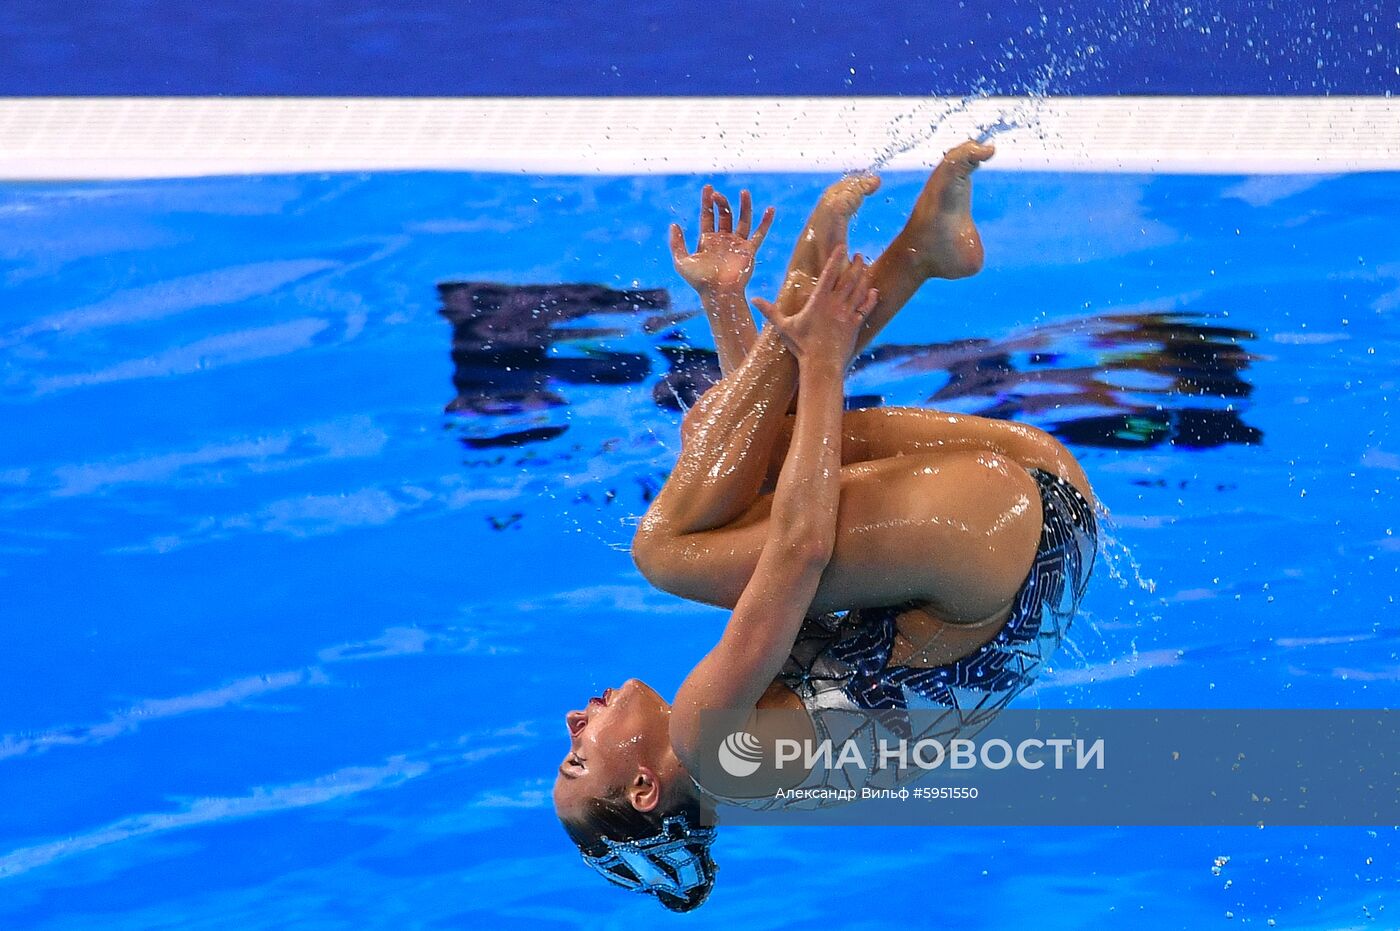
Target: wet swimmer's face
[614,739]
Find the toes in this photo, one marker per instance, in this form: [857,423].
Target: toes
[981,151]
[848,193]
[970,154]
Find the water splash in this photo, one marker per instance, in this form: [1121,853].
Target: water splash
[1122,566]
[1003,123]
[1070,48]
[910,130]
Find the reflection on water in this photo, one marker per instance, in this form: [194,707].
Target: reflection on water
[505,342]
[1110,380]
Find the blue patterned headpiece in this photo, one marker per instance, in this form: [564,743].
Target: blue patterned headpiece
[672,861]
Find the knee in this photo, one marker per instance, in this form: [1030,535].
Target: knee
[647,545]
[653,553]
[1034,444]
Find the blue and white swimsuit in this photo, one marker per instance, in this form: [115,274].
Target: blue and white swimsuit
[840,665]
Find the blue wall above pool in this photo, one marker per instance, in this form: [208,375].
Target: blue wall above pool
[611,47]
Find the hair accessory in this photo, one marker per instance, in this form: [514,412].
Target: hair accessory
[665,862]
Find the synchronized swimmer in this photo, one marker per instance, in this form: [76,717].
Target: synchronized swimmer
[890,558]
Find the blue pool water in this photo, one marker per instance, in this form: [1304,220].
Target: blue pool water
[288,645]
[727,47]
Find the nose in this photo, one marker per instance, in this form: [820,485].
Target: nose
[575,721]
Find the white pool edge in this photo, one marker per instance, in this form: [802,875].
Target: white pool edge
[154,137]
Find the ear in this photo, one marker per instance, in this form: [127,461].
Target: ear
[645,791]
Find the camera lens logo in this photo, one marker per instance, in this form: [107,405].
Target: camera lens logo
[740,754]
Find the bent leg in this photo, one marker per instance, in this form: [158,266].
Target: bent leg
[729,436]
[954,533]
[726,445]
[939,240]
[883,432]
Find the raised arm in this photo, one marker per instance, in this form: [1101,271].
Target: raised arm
[802,523]
[720,268]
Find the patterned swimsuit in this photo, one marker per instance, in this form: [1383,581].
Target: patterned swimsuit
[841,670]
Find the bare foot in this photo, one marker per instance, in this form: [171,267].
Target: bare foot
[940,232]
[826,229]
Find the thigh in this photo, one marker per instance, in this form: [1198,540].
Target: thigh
[886,432]
[953,532]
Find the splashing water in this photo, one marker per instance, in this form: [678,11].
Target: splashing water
[1072,47]
[1021,114]
[1003,124]
[1122,566]
[902,141]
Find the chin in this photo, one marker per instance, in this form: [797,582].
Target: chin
[645,692]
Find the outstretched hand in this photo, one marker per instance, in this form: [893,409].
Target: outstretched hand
[724,256]
[828,325]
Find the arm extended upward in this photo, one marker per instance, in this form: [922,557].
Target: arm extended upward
[720,268]
[802,529]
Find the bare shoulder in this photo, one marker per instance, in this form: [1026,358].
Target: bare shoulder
[750,755]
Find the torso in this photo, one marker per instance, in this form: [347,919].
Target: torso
[922,640]
[892,658]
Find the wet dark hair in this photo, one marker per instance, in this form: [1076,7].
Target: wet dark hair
[613,816]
